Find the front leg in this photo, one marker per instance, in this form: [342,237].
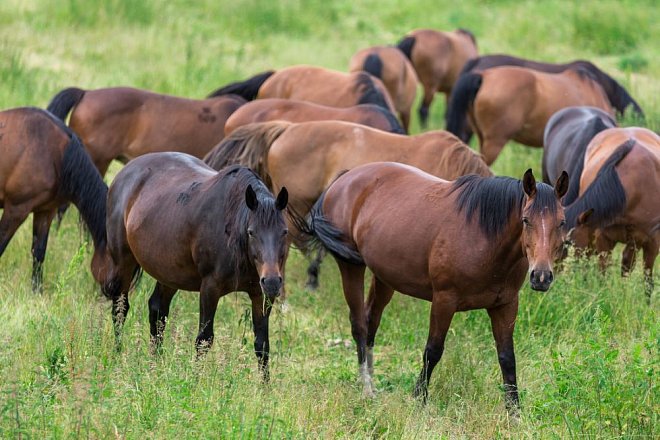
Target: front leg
[503,320]
[261,308]
[209,294]
[650,251]
[40,227]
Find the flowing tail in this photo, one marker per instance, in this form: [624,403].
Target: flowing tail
[248,89]
[406,46]
[249,146]
[64,101]
[374,65]
[462,97]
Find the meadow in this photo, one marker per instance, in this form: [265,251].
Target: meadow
[587,350]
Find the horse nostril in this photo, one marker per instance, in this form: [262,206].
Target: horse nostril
[279,279]
[550,277]
[262,280]
[532,275]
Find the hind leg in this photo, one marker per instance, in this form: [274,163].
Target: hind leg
[314,269]
[429,94]
[159,309]
[116,288]
[40,227]
[12,218]
[650,253]
[628,259]
[380,295]
[491,147]
[405,120]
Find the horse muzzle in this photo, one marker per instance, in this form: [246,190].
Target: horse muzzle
[540,280]
[271,286]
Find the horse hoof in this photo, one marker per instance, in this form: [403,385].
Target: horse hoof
[311,286]
[369,392]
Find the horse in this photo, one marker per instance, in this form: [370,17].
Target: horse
[44,164]
[412,230]
[390,65]
[123,123]
[313,84]
[565,140]
[619,199]
[271,109]
[506,103]
[438,58]
[224,232]
[306,157]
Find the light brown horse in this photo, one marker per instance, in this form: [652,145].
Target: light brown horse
[390,65]
[515,103]
[42,165]
[619,198]
[193,228]
[438,58]
[313,84]
[272,109]
[306,157]
[123,123]
[460,245]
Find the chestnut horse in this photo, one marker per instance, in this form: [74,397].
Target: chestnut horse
[313,84]
[306,157]
[123,123]
[619,198]
[193,228]
[43,165]
[390,65]
[505,103]
[411,229]
[438,58]
[264,110]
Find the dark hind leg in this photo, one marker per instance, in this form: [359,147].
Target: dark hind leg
[650,253]
[442,312]
[116,288]
[628,258]
[40,227]
[313,270]
[491,147]
[12,218]
[159,309]
[209,295]
[503,319]
[261,308]
[429,94]
[380,295]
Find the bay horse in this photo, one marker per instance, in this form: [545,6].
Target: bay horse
[306,157]
[397,73]
[412,231]
[44,165]
[619,199]
[123,123]
[514,103]
[438,58]
[271,109]
[314,84]
[223,232]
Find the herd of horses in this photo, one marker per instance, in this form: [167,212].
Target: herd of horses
[215,190]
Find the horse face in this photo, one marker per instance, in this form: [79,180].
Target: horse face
[543,228]
[267,241]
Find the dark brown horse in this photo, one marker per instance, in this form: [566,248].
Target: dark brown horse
[123,123]
[438,58]
[43,164]
[514,103]
[390,65]
[272,109]
[313,84]
[193,228]
[461,245]
[619,199]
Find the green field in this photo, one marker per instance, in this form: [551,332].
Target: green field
[587,351]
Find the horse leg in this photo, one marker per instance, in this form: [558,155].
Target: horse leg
[380,295]
[159,309]
[12,218]
[442,311]
[405,120]
[650,250]
[604,248]
[491,148]
[313,270]
[260,313]
[208,303]
[628,258]
[120,307]
[429,94]
[40,227]
[503,320]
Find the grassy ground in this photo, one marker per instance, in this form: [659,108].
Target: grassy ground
[587,350]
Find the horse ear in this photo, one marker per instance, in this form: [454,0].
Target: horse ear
[529,183]
[251,198]
[282,199]
[583,218]
[561,187]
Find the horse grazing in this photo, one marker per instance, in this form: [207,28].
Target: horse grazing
[438,58]
[306,157]
[43,165]
[565,141]
[123,123]
[264,110]
[411,228]
[313,84]
[223,232]
[390,65]
[506,103]
[619,199]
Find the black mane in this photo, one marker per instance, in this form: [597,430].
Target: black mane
[493,199]
[369,93]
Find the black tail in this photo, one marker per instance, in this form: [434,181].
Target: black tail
[406,45]
[462,97]
[369,93]
[248,89]
[469,66]
[616,93]
[374,65]
[64,101]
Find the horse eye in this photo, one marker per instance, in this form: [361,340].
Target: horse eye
[525,221]
[562,223]
[250,232]
[285,232]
